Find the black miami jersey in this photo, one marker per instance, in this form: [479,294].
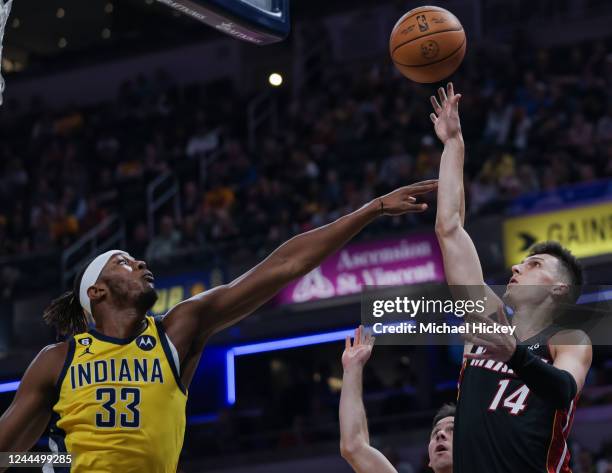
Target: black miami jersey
[501,426]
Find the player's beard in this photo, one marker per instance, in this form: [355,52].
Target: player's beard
[143,301]
[146,300]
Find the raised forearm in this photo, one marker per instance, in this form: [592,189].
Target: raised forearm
[354,438]
[451,198]
[307,250]
[353,421]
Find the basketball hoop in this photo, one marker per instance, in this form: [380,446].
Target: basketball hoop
[5,10]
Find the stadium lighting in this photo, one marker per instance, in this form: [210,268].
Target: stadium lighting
[275,79]
[274,345]
[9,387]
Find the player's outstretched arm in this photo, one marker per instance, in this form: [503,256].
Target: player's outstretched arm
[354,437]
[461,263]
[211,311]
[28,415]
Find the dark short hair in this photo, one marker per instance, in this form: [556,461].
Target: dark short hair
[567,260]
[447,410]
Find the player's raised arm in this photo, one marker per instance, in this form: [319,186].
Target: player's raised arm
[354,437]
[28,415]
[461,262]
[225,305]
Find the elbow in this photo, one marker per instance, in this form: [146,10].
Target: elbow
[447,226]
[349,449]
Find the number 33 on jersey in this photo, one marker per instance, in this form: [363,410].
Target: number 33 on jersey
[120,398]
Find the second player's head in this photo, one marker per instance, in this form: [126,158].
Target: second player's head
[111,281]
[440,447]
[550,274]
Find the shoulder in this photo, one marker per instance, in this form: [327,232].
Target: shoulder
[571,342]
[569,337]
[52,354]
[49,362]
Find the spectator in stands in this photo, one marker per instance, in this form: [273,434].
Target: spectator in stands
[350,134]
[166,242]
[140,240]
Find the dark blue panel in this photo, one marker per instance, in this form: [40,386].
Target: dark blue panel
[239,20]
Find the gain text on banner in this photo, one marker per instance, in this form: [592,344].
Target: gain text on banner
[392,262]
[174,289]
[586,231]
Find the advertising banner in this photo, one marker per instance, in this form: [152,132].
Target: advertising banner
[412,259]
[174,289]
[585,230]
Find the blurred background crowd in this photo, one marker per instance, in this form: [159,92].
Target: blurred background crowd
[534,119]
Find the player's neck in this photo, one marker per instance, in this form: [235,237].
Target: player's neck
[529,321]
[120,323]
[448,469]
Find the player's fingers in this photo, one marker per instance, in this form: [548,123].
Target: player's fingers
[417,207]
[427,182]
[450,90]
[422,187]
[477,356]
[442,94]
[372,340]
[456,99]
[478,317]
[434,102]
[433,117]
[481,342]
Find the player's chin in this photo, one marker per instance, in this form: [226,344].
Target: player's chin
[509,296]
[442,459]
[147,298]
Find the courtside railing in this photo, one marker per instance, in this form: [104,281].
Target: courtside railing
[108,234]
[163,190]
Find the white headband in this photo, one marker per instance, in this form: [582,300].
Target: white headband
[91,275]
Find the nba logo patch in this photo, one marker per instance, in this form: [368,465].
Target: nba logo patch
[146,342]
[85,341]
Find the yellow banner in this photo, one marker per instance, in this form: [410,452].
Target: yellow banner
[586,231]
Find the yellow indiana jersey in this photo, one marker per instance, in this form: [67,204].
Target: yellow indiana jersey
[121,405]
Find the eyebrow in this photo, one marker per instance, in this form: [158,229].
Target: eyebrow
[533,258]
[118,257]
[439,427]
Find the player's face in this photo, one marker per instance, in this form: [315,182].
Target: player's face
[441,445]
[130,281]
[533,280]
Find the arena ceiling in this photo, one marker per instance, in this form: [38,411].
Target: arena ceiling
[43,36]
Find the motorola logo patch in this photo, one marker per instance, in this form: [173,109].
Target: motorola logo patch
[146,342]
[85,341]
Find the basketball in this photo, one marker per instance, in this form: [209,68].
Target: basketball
[427,44]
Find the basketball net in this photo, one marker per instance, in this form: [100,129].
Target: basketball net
[5,10]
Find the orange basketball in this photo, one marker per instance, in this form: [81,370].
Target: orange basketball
[427,44]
